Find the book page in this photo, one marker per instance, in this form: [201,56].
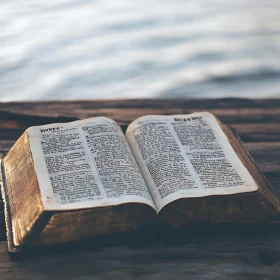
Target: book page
[184,156]
[84,164]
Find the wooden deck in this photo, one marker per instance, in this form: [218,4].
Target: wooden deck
[250,256]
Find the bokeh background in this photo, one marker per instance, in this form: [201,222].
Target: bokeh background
[86,49]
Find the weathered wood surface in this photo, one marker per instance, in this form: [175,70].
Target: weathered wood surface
[211,257]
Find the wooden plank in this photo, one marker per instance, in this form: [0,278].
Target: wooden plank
[6,145]
[162,103]
[231,111]
[2,224]
[223,257]
[257,132]
[266,155]
[254,120]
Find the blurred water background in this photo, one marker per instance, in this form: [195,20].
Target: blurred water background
[86,49]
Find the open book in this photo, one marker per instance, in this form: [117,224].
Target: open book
[67,181]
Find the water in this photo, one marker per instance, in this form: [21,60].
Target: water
[84,49]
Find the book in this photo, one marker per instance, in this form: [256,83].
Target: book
[67,181]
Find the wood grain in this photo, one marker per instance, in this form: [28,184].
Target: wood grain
[251,256]
[223,257]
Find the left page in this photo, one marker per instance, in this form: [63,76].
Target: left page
[84,164]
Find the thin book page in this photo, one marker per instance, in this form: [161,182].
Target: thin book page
[85,164]
[183,156]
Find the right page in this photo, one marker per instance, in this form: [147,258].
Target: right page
[183,156]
